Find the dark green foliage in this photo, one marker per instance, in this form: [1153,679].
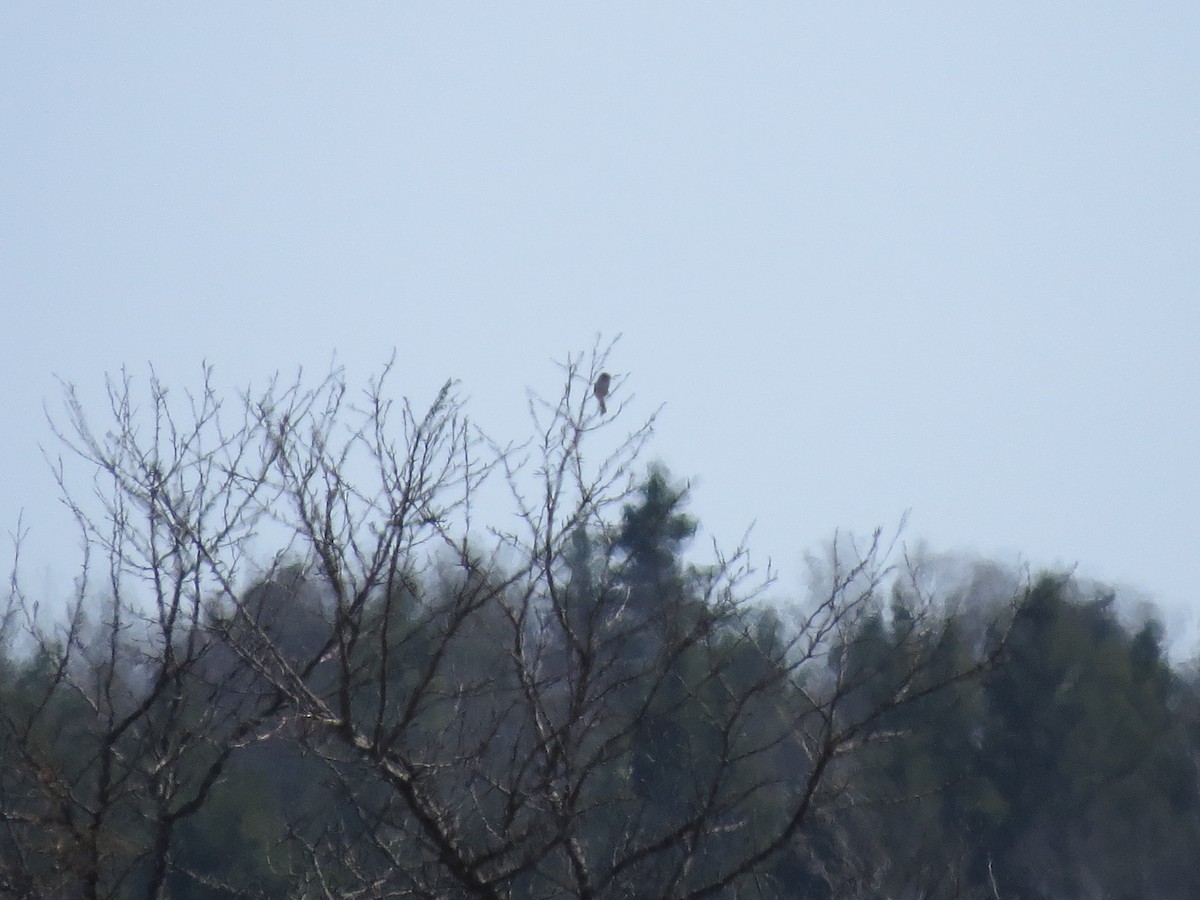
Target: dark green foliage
[675,738]
[1084,757]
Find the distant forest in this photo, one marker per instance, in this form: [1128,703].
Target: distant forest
[495,669]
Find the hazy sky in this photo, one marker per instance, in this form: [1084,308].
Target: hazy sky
[873,257]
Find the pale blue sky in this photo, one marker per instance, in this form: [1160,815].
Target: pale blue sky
[873,257]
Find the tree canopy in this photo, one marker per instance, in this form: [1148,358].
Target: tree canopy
[561,702]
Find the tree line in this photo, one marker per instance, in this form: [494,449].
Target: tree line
[557,703]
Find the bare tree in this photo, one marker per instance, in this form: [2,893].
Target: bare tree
[555,706]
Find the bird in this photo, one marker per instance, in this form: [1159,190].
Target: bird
[601,390]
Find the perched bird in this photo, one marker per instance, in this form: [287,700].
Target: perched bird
[601,390]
